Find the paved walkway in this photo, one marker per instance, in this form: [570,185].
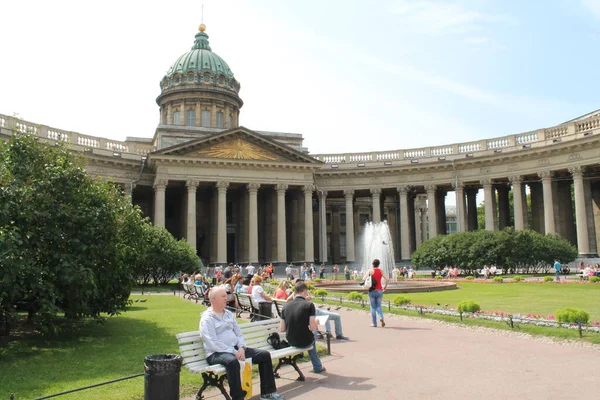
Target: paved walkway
[415,358]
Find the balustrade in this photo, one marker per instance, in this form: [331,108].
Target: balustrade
[527,138]
[498,143]
[556,132]
[587,125]
[469,147]
[414,154]
[441,151]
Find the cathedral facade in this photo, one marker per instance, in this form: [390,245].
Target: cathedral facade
[249,196]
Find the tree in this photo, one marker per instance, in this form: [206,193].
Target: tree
[66,240]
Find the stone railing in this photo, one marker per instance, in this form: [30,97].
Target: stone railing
[74,139]
[485,147]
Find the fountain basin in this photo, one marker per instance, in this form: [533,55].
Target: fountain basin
[407,286]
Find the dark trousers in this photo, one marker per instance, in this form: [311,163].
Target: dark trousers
[232,365]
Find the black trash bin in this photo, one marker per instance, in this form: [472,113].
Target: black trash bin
[161,378]
[265,310]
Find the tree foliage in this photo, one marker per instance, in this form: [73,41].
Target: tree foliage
[525,251]
[70,246]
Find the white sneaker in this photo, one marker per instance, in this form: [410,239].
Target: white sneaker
[272,396]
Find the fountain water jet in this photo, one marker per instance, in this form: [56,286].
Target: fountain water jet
[376,242]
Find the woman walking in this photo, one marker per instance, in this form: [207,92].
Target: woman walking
[376,292]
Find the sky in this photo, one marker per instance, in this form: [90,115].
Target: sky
[350,76]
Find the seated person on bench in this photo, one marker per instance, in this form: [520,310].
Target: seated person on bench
[224,344]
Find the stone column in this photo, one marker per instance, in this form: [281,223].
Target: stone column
[253,222]
[281,239]
[503,206]
[472,223]
[350,253]
[169,114]
[309,243]
[583,241]
[517,187]
[191,186]
[213,115]
[488,197]
[222,222]
[404,223]
[432,210]
[376,199]
[323,226]
[549,226]
[459,191]
[198,112]
[160,188]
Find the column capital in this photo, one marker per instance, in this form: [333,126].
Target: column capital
[160,183]
[308,189]
[431,189]
[322,193]
[281,187]
[222,185]
[487,182]
[515,180]
[403,190]
[376,191]
[348,193]
[577,171]
[545,175]
[192,184]
[253,187]
[458,185]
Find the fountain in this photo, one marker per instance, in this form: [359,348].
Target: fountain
[376,242]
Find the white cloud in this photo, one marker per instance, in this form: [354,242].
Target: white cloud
[593,6]
[443,17]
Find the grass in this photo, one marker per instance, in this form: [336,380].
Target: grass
[524,298]
[36,367]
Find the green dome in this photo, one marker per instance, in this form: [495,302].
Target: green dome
[200,66]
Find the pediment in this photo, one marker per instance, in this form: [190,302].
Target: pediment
[239,144]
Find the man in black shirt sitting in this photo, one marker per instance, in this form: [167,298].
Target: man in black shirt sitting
[298,320]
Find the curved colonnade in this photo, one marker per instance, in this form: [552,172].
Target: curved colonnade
[245,196]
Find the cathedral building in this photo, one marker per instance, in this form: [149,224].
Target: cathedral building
[242,195]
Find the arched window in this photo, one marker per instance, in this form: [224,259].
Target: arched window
[219,119]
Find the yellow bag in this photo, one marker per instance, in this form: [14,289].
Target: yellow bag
[246,374]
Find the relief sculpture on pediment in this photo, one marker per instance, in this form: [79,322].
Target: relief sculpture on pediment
[237,149]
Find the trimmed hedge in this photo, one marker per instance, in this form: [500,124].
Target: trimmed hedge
[548,278]
[468,306]
[572,315]
[401,300]
[355,296]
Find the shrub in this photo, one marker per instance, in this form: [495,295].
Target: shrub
[318,280]
[498,279]
[320,292]
[355,296]
[274,282]
[594,279]
[438,277]
[572,315]
[548,279]
[469,278]
[518,278]
[468,306]
[310,287]
[401,300]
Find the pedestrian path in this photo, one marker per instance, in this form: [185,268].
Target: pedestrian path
[415,358]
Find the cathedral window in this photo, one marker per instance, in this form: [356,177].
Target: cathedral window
[230,122]
[176,118]
[190,77]
[191,118]
[206,118]
[219,119]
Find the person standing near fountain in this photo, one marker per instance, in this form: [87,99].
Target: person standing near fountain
[376,294]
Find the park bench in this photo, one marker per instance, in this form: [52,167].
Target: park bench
[278,304]
[246,303]
[255,335]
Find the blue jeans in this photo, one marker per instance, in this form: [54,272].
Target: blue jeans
[232,366]
[375,298]
[337,320]
[314,358]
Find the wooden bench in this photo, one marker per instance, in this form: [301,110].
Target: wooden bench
[278,304]
[255,335]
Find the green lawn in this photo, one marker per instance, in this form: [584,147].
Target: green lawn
[102,352]
[524,298]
